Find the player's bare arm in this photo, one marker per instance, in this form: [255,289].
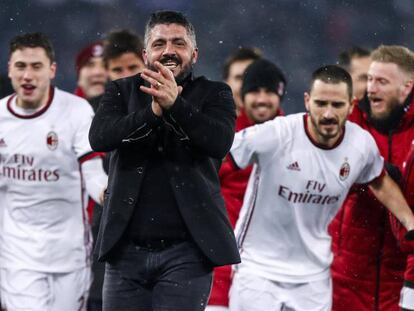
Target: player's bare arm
[390,195]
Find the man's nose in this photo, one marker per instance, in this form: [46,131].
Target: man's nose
[263,97]
[28,74]
[99,70]
[169,49]
[371,87]
[328,112]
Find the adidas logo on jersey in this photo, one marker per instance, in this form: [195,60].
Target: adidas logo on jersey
[2,143]
[294,166]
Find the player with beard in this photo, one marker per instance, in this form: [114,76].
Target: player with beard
[304,165]
[164,226]
[370,263]
[262,90]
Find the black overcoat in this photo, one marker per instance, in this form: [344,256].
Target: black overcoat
[196,133]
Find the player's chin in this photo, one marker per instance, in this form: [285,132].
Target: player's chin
[332,134]
[177,72]
[329,131]
[260,118]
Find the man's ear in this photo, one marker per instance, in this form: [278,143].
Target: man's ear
[53,68]
[306,98]
[8,69]
[408,87]
[195,55]
[144,55]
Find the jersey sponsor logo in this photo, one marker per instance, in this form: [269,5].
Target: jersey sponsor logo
[344,170]
[2,142]
[312,195]
[52,140]
[22,167]
[294,166]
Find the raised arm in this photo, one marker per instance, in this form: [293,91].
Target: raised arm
[204,116]
[390,195]
[113,125]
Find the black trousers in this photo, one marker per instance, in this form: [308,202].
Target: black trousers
[177,278]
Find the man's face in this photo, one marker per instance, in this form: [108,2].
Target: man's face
[358,69]
[328,106]
[31,72]
[92,77]
[261,105]
[235,78]
[388,87]
[171,46]
[125,65]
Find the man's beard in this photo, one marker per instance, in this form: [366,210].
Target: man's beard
[328,135]
[389,122]
[183,75]
[185,70]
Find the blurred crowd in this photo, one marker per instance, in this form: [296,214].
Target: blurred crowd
[279,55]
[297,35]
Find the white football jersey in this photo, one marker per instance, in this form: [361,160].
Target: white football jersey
[294,191]
[44,222]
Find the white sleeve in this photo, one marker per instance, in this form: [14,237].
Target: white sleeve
[253,141]
[374,162]
[91,163]
[2,205]
[84,118]
[94,177]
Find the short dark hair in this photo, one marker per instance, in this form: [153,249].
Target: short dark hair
[169,17]
[241,54]
[119,42]
[334,75]
[345,57]
[32,40]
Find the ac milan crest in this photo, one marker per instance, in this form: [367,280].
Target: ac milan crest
[97,50]
[344,171]
[2,142]
[52,140]
[281,89]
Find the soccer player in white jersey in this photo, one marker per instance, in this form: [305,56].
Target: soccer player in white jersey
[46,163]
[304,166]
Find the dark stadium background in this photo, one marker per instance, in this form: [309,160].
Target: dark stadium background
[297,35]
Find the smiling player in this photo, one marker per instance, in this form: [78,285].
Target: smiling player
[304,166]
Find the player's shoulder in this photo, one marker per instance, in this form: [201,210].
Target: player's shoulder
[291,121]
[281,126]
[71,101]
[357,136]
[355,129]
[294,119]
[61,94]
[4,101]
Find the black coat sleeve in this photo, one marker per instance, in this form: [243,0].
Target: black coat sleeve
[113,126]
[209,129]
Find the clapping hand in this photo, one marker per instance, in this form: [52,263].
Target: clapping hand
[163,87]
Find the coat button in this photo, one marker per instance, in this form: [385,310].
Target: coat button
[130,201]
[140,169]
